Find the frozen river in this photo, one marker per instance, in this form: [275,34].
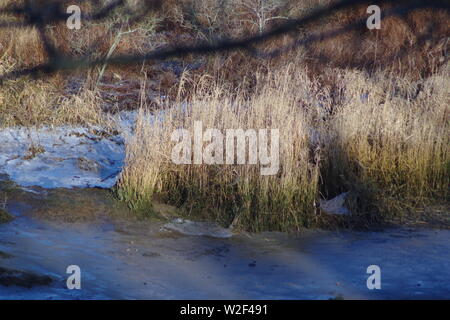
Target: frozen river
[130,259]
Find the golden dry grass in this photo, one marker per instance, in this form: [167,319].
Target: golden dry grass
[393,148]
[386,143]
[231,193]
[38,103]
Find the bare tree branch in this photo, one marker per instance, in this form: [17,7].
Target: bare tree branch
[57,61]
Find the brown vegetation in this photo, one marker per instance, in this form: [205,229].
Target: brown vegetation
[364,110]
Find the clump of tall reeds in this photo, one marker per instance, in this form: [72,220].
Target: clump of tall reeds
[386,140]
[236,194]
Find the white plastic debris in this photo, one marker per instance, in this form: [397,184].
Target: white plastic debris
[335,205]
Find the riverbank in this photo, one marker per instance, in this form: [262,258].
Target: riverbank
[371,151]
[344,131]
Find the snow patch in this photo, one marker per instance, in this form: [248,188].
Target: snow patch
[68,157]
[61,157]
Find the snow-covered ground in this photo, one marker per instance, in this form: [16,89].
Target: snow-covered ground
[67,157]
[64,156]
[60,157]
